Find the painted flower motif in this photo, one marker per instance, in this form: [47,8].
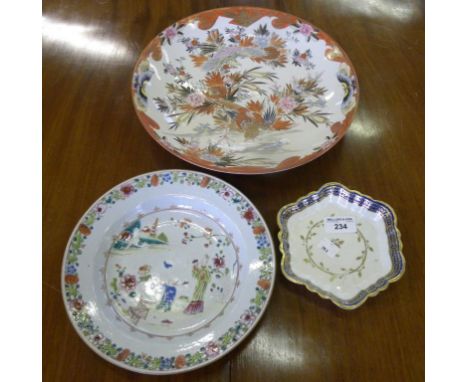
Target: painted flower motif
[264,283]
[129,283]
[154,180]
[235,34]
[101,208]
[166,363]
[302,59]
[166,177]
[77,304]
[249,215]
[170,33]
[248,317]
[84,230]
[306,29]
[71,279]
[226,193]
[127,189]
[123,355]
[71,269]
[261,239]
[212,349]
[287,104]
[180,361]
[97,338]
[204,182]
[218,262]
[190,43]
[195,99]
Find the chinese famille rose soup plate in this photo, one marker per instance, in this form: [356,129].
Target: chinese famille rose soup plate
[245,90]
[341,244]
[168,272]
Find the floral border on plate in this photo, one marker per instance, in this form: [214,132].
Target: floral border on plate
[152,364]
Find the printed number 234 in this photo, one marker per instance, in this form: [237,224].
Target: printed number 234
[339,226]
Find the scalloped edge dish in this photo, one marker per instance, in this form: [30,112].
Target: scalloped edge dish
[393,235]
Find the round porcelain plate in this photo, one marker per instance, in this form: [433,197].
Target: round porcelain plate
[245,90]
[168,272]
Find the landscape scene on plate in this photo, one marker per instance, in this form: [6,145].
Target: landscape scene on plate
[158,293]
[239,97]
[80,308]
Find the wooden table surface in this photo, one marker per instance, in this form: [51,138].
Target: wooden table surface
[93,140]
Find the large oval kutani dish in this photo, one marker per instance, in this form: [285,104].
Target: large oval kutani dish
[245,90]
[168,272]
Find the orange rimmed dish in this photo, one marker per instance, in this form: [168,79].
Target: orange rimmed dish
[245,90]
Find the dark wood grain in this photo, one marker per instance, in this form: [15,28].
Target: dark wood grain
[93,140]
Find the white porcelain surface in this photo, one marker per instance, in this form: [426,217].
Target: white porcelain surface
[245,90]
[168,271]
[345,267]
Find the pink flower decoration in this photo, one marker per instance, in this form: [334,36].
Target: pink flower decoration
[306,29]
[226,194]
[249,215]
[129,283]
[218,262]
[287,104]
[248,317]
[195,99]
[212,349]
[170,32]
[101,208]
[127,189]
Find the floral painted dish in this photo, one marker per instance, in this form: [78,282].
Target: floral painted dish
[340,244]
[168,272]
[245,90]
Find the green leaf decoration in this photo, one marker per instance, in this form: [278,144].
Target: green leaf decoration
[154,364]
[89,220]
[114,285]
[162,236]
[72,258]
[306,260]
